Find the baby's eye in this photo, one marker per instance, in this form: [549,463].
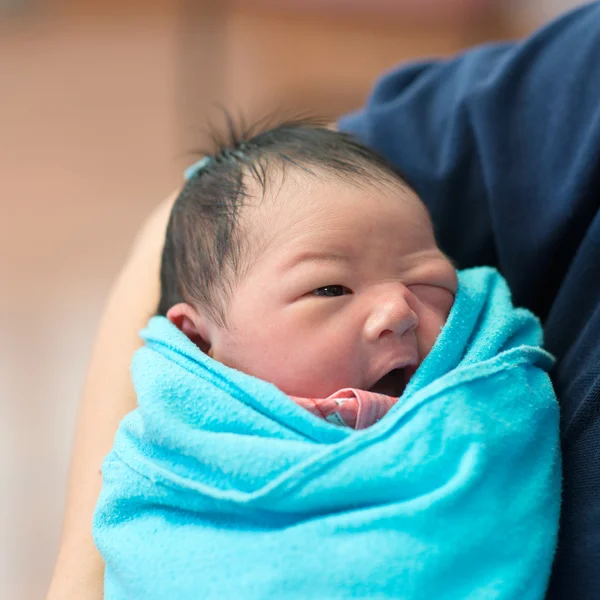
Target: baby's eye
[330,291]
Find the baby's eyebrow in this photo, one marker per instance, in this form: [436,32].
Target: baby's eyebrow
[316,256]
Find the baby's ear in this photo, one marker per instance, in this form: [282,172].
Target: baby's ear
[189,321]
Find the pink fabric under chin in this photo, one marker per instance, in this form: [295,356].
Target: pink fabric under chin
[358,409]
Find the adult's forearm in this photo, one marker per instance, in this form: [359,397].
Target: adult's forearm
[107,397]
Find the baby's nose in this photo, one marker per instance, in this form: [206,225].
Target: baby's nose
[391,314]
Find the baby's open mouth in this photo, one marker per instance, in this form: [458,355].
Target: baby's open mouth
[394,382]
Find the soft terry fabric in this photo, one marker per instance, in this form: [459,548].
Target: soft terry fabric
[219,486]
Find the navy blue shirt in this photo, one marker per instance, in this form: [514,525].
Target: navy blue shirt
[503,145]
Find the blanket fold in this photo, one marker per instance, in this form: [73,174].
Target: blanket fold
[220,486]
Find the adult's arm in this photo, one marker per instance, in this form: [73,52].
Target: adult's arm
[107,397]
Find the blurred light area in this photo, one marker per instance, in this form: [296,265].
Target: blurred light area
[433,9]
[101,102]
[539,11]
[14,7]
[87,147]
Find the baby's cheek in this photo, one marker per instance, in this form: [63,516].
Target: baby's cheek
[428,332]
[317,365]
[435,306]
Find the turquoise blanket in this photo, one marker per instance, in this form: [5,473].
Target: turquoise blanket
[219,486]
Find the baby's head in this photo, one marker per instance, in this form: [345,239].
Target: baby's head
[301,257]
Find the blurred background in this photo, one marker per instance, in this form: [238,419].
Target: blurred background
[100,100]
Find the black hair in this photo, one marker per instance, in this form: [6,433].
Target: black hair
[203,255]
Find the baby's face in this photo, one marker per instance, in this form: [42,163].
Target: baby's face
[348,287]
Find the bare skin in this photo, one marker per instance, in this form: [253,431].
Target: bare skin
[107,397]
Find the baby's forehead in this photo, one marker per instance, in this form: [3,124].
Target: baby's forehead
[283,186]
[321,209]
[288,198]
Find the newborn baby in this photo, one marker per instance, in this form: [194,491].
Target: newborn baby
[301,257]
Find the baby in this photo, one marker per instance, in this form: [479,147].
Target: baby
[303,258]
[299,258]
